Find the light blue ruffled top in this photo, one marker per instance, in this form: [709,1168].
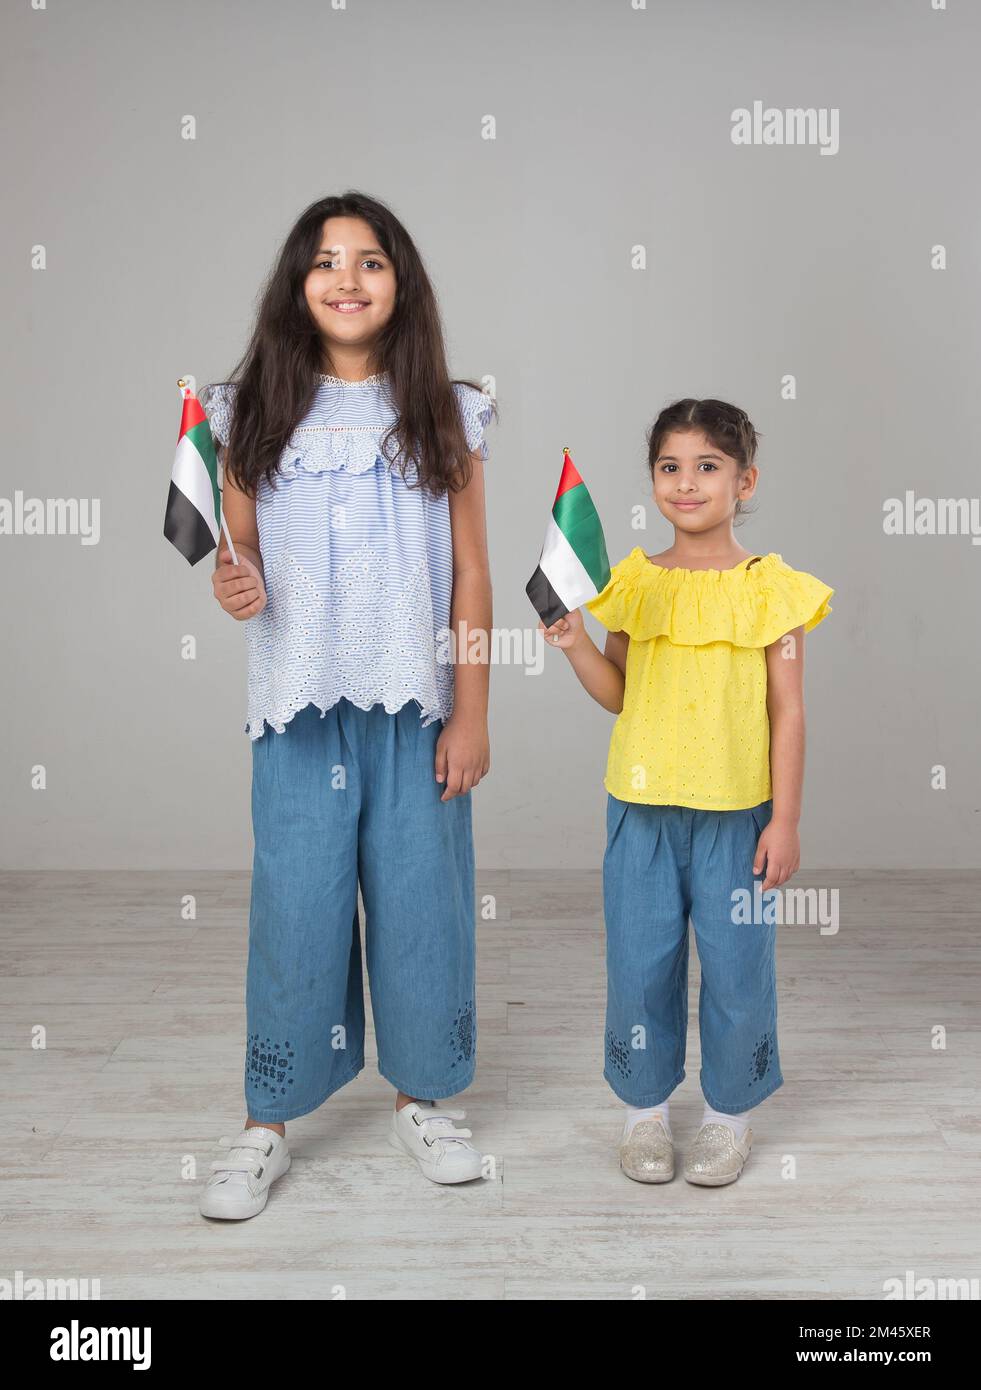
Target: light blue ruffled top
[358,564]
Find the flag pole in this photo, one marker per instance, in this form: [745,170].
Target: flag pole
[224,527]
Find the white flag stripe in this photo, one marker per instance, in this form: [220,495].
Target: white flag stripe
[564,570]
[194,480]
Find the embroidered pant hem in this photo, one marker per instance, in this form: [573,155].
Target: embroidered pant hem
[742,1105]
[279,1114]
[630,1097]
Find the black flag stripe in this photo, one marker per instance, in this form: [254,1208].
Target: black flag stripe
[185,527]
[546,601]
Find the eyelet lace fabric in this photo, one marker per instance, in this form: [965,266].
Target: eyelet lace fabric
[366,635]
[358,563]
[694,728]
[331,380]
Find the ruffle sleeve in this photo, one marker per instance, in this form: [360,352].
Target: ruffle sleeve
[747,606]
[616,604]
[476,412]
[218,404]
[789,598]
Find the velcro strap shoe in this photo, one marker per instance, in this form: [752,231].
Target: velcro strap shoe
[239,1184]
[430,1137]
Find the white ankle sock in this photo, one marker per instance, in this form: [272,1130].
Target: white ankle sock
[652,1112]
[738,1123]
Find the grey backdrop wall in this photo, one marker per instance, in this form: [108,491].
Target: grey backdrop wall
[612,130]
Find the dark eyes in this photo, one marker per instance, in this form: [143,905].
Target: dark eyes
[672,467]
[330,265]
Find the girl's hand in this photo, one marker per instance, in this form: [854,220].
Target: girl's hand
[779,845]
[240,588]
[566,632]
[462,754]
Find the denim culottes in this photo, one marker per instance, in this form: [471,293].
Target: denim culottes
[339,799]
[662,866]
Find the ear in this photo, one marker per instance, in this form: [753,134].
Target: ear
[748,478]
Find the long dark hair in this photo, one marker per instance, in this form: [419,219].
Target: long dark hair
[726,426]
[278,375]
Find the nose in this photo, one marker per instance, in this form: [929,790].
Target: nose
[347,278]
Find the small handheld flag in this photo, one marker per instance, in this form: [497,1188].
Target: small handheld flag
[574,566]
[194,518]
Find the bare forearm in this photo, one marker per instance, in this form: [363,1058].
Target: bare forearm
[472,620]
[787,763]
[246,552]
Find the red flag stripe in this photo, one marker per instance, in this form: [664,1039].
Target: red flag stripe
[570,476]
[191,415]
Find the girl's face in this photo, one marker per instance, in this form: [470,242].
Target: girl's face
[350,287]
[696,486]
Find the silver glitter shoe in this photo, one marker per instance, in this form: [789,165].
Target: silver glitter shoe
[647,1153]
[716,1155]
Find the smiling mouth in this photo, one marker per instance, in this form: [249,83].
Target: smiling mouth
[348,306]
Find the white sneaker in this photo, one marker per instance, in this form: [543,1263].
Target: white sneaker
[430,1137]
[239,1185]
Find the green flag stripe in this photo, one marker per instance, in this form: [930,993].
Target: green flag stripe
[578,521]
[200,437]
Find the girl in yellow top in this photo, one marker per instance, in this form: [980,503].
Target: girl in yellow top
[703,666]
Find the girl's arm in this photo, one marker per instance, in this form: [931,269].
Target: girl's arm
[780,842]
[240,589]
[601,674]
[463,748]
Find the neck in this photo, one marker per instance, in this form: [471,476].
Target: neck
[349,363]
[699,549]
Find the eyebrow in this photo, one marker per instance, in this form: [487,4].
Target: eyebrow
[673,458]
[367,251]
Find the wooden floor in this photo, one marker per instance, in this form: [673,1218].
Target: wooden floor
[865,1164]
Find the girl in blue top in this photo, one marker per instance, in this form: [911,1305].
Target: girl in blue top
[353,491]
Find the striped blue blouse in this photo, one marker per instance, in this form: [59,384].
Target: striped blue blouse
[358,565]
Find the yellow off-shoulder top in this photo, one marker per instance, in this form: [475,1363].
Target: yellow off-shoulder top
[694,729]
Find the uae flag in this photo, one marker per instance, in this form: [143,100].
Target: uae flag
[193,518]
[574,565]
